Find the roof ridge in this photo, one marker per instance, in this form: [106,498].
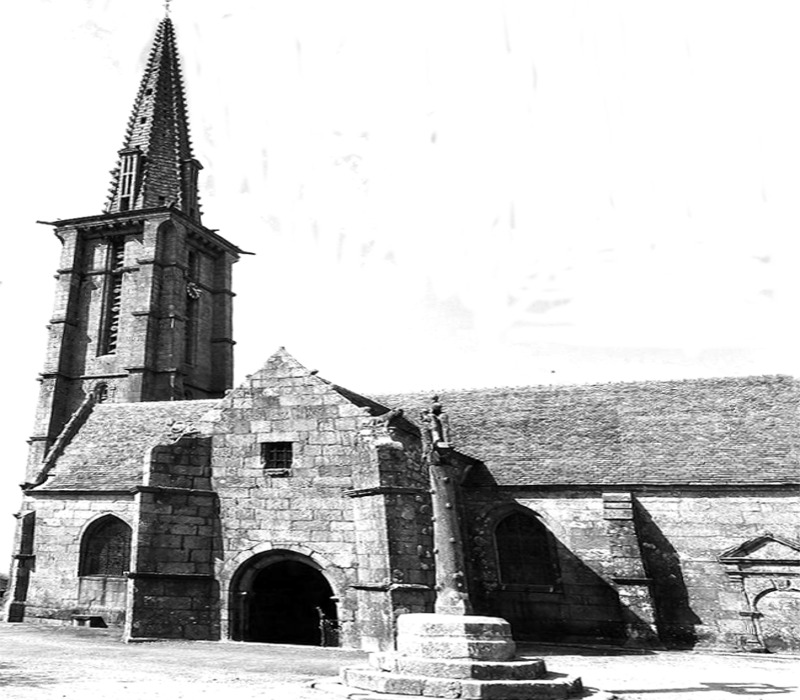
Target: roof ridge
[588,385]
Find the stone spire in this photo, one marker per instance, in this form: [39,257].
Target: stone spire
[156,167]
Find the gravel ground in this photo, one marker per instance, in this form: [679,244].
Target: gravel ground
[673,675]
[43,662]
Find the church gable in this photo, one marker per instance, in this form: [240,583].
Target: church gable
[324,467]
[286,424]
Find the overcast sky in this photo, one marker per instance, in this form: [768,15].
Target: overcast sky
[439,194]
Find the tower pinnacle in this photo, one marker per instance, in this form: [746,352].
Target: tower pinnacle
[156,166]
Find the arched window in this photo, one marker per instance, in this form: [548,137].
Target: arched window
[106,548]
[524,553]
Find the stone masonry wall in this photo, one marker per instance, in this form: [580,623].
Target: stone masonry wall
[304,509]
[54,405]
[393,519]
[172,592]
[54,587]
[585,606]
[681,536]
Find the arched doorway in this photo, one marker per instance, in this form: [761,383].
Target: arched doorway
[283,597]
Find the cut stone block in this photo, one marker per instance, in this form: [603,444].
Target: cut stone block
[381,681]
[455,637]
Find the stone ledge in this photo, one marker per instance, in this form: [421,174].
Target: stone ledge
[437,625]
[518,669]
[332,689]
[385,491]
[552,687]
[167,575]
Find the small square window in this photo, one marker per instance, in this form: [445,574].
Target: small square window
[276,458]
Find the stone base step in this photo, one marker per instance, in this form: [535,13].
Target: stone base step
[333,689]
[516,670]
[553,686]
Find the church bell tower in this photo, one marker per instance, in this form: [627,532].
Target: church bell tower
[143,302]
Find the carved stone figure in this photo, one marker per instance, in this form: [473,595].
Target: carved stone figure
[437,424]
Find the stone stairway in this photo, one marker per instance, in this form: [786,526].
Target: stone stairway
[448,656]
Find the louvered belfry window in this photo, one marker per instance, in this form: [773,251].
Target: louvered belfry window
[112,303]
[192,309]
[127,180]
[106,548]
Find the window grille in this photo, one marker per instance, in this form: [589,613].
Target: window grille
[276,457]
[106,548]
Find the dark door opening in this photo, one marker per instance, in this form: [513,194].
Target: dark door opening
[291,603]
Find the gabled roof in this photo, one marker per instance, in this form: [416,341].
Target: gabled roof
[710,432]
[705,431]
[108,452]
[159,128]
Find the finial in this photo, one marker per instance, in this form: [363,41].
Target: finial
[166,7]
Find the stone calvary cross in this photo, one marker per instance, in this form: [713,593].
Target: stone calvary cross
[452,596]
[452,653]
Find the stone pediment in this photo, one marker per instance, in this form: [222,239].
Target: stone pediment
[764,548]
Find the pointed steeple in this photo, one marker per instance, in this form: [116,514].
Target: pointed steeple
[156,166]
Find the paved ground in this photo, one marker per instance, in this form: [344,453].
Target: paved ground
[45,663]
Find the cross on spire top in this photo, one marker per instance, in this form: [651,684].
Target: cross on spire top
[166,7]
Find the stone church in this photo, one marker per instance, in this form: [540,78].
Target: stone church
[291,509]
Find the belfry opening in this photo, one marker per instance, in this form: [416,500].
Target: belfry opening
[283,598]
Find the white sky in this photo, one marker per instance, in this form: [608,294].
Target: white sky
[438,193]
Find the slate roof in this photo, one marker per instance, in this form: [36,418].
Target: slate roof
[108,452]
[732,431]
[702,431]
[159,128]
